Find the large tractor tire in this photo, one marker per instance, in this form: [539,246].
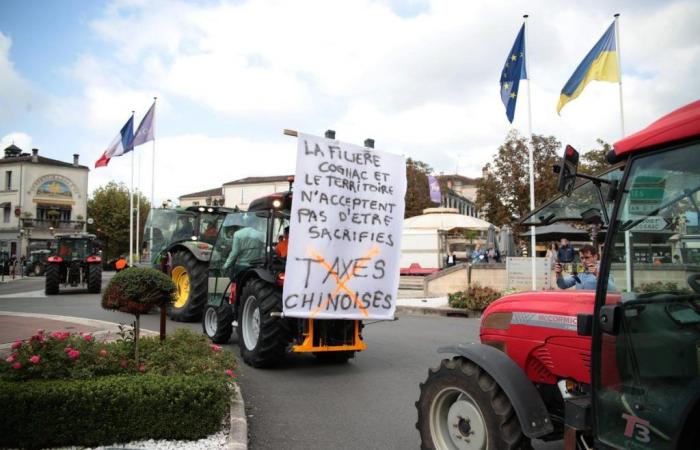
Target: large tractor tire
[217,323]
[94,278]
[462,407]
[262,335]
[53,279]
[190,277]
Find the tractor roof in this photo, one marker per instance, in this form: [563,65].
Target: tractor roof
[680,125]
[210,209]
[278,200]
[75,236]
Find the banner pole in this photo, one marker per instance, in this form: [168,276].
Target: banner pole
[131,213]
[531,161]
[153,187]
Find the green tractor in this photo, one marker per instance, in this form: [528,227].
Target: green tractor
[75,260]
[179,241]
[246,277]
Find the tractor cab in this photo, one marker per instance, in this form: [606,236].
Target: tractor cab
[74,260]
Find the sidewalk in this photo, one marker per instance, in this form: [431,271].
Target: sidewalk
[436,306]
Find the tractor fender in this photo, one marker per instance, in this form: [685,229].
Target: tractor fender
[200,250]
[527,402]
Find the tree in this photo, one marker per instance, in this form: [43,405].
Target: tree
[417,189]
[109,209]
[595,160]
[504,189]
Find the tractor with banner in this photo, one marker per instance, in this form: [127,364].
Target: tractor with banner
[179,241]
[614,368]
[246,278]
[74,261]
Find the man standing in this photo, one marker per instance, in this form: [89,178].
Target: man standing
[565,254]
[589,277]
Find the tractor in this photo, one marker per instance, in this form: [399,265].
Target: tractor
[179,242]
[246,277]
[75,260]
[36,263]
[612,368]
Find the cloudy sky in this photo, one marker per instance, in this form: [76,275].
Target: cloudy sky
[420,77]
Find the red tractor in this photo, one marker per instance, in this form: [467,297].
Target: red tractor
[618,367]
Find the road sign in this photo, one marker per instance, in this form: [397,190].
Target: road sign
[654,223]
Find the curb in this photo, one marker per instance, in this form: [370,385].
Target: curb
[238,435]
[430,311]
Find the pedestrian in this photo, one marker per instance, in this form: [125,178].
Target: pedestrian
[552,252]
[120,264]
[491,255]
[565,254]
[587,279]
[451,259]
[477,256]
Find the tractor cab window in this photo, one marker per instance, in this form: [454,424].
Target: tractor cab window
[209,227]
[280,234]
[184,227]
[241,243]
[650,363]
[73,248]
[159,229]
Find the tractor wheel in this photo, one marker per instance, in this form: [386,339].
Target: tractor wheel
[94,278]
[462,407]
[53,279]
[190,277]
[334,357]
[217,323]
[262,336]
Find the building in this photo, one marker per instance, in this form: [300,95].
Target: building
[39,198]
[239,193]
[460,194]
[210,197]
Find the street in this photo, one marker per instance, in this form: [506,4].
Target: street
[365,404]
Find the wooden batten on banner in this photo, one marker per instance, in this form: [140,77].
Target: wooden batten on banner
[292,133]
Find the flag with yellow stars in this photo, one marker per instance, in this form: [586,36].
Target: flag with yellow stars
[512,73]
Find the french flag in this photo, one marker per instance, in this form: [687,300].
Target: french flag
[122,143]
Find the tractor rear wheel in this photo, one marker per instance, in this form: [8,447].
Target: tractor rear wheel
[217,323]
[262,335]
[53,279]
[462,407]
[94,278]
[190,277]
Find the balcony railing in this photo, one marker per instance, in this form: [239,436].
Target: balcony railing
[56,225]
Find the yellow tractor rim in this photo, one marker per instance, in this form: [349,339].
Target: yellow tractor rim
[182,281]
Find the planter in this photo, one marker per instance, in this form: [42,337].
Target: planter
[133,307]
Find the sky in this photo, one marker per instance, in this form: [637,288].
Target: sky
[419,77]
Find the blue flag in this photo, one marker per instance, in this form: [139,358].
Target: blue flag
[435,196]
[512,73]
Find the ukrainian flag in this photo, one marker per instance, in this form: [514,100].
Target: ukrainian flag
[599,64]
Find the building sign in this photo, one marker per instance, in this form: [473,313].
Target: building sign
[519,273]
[345,231]
[54,188]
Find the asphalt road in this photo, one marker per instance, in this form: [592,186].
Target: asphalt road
[302,404]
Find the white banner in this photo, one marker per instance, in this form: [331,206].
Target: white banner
[345,231]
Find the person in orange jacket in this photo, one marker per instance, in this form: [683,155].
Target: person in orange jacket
[120,264]
[283,244]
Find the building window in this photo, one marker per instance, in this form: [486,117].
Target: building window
[8,180]
[6,214]
[53,212]
[195,203]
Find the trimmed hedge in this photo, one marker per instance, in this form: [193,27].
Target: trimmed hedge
[105,410]
[475,298]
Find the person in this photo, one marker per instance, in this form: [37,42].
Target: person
[552,253]
[64,250]
[248,245]
[587,279]
[565,254]
[283,244]
[477,255]
[184,229]
[210,233]
[120,264]
[451,259]
[13,265]
[492,254]
[677,259]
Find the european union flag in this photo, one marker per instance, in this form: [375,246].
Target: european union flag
[512,73]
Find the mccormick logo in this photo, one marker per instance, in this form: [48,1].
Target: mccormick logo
[545,320]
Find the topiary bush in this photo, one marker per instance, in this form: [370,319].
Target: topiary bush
[475,298]
[137,289]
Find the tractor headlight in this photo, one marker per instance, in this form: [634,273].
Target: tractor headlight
[276,203]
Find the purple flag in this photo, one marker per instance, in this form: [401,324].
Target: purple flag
[435,196]
[146,130]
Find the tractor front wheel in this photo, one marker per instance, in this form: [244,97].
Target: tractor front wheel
[217,323]
[190,278]
[53,279]
[94,278]
[462,407]
[262,335]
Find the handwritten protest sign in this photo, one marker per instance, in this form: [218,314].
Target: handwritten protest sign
[345,231]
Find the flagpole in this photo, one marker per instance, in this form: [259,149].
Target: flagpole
[531,161]
[138,210]
[131,209]
[153,187]
[628,240]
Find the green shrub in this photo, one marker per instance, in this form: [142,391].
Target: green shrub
[148,287]
[660,286]
[475,298]
[105,410]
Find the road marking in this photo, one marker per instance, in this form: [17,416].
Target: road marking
[33,294]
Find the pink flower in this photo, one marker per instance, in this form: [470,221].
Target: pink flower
[142,367]
[37,337]
[36,359]
[16,345]
[103,352]
[11,358]
[74,354]
[60,336]
[67,349]
[88,337]
[230,373]
[40,332]
[17,366]
[216,348]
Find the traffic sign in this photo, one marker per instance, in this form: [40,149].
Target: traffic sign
[654,223]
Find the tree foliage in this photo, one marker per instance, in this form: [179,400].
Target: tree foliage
[503,192]
[595,160]
[109,209]
[417,189]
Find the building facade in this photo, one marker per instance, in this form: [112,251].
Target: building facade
[210,197]
[39,197]
[239,193]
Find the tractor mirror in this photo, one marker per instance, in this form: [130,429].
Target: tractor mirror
[584,324]
[567,171]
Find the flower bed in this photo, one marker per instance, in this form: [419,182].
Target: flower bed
[58,389]
[475,298]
